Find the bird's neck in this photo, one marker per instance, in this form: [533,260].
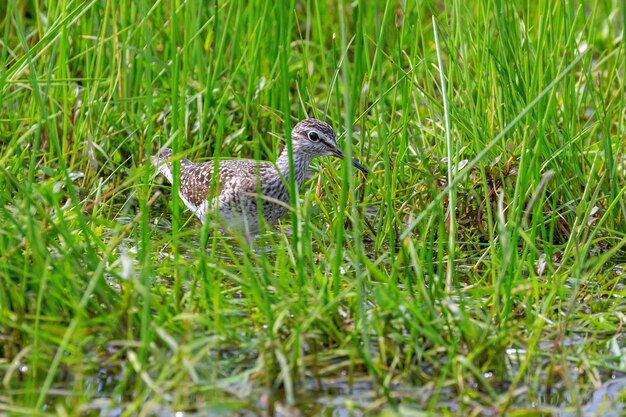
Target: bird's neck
[301,163]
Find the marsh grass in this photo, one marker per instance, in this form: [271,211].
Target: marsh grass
[477,270]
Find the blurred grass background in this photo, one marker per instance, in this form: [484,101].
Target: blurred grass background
[478,270]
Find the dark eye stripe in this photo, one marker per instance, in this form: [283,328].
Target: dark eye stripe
[326,143]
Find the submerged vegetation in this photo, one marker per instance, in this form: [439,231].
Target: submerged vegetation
[478,270]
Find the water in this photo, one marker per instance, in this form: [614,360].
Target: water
[341,395]
[546,389]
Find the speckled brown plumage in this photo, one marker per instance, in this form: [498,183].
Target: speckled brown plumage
[234,197]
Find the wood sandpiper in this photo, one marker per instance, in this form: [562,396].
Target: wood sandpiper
[235,195]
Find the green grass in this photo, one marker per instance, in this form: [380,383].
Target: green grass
[478,270]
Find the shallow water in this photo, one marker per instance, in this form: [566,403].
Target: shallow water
[359,395]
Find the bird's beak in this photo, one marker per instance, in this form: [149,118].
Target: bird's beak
[339,154]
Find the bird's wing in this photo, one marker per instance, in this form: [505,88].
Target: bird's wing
[195,181]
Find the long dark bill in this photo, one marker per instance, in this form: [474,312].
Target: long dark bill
[359,166]
[355,163]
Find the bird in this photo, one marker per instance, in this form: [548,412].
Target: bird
[235,193]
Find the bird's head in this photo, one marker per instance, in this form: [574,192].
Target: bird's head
[316,138]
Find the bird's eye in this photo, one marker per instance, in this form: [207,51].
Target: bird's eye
[313,136]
